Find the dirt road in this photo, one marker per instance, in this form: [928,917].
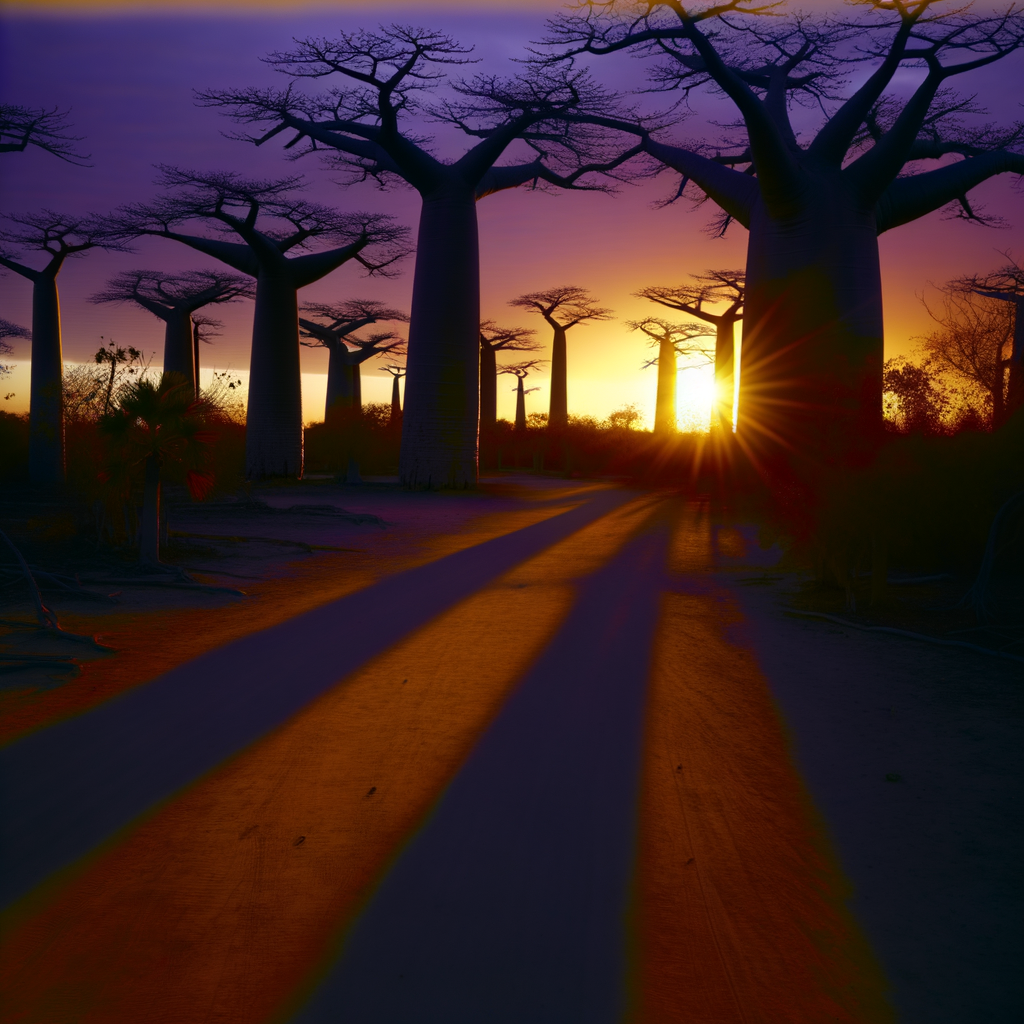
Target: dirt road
[567,768]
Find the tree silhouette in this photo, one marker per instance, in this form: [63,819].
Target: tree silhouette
[331,330]
[153,425]
[562,309]
[46,129]
[973,343]
[270,222]
[397,373]
[815,204]
[366,123]
[671,340]
[174,298]
[712,288]
[521,371]
[495,339]
[10,330]
[60,237]
[1007,285]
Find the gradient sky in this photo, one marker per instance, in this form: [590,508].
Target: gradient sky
[127,70]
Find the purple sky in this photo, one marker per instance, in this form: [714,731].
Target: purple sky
[128,79]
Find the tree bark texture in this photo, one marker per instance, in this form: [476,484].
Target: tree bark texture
[665,407]
[46,408]
[811,381]
[558,414]
[725,379]
[149,537]
[520,406]
[488,388]
[273,435]
[179,345]
[439,425]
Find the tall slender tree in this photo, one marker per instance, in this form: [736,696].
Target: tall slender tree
[270,222]
[712,288]
[45,128]
[397,373]
[58,237]
[1007,285]
[562,308]
[332,329]
[174,298]
[370,124]
[521,371]
[495,339]
[671,340]
[816,203]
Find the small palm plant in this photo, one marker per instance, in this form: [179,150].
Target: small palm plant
[152,426]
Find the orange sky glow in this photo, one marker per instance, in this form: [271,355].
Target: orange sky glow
[127,71]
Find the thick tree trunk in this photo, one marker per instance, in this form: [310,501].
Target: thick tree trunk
[439,424]
[46,409]
[725,381]
[520,406]
[179,345]
[273,430]
[339,380]
[665,407]
[396,402]
[149,537]
[558,414]
[488,388]
[195,353]
[811,384]
[357,387]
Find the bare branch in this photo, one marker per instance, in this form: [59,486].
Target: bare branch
[46,129]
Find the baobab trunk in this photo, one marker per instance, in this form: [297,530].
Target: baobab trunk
[273,434]
[357,387]
[1015,367]
[46,409]
[725,379]
[179,345]
[520,406]
[439,426]
[665,408]
[488,388]
[396,402]
[811,384]
[558,414]
[339,380]
[195,353]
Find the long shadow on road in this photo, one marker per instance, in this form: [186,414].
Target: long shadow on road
[69,787]
[511,903]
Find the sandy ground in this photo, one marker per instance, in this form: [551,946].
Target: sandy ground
[546,752]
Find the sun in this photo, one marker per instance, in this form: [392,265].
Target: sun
[695,396]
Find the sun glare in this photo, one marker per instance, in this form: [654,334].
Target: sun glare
[694,398]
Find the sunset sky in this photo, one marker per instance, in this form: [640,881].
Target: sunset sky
[127,71]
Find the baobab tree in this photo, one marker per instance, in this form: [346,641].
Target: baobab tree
[371,126]
[521,371]
[270,221]
[495,339]
[671,340]
[562,308]
[174,298]
[1007,285]
[397,373]
[58,237]
[333,327]
[712,288]
[46,128]
[815,203]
